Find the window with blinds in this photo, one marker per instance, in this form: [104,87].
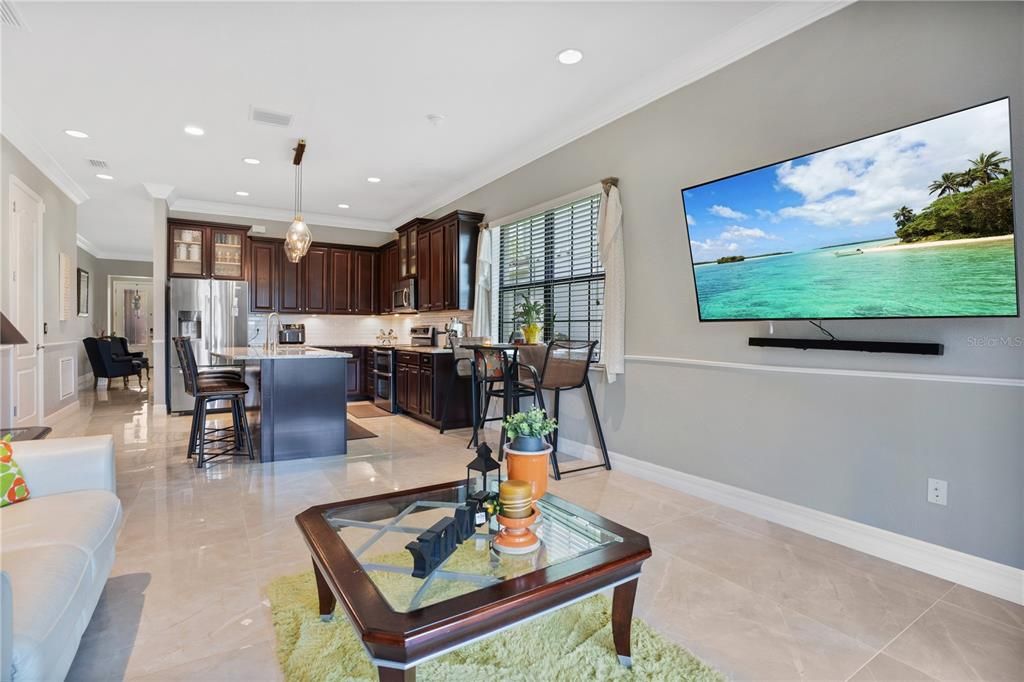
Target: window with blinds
[552,257]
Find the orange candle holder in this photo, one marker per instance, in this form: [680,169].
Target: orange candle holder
[515,536]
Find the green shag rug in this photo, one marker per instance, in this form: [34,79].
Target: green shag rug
[573,643]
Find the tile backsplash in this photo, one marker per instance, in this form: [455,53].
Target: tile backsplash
[356,330]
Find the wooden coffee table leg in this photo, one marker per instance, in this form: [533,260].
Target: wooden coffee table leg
[622,620]
[396,675]
[323,591]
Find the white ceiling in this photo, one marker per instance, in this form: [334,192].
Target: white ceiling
[359,78]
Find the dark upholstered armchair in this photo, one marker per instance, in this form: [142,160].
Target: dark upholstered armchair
[108,365]
[119,348]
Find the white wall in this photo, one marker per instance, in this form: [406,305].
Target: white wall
[855,446]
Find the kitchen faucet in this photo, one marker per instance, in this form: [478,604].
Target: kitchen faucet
[267,343]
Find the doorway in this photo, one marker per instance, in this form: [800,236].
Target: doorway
[26,268]
[131,310]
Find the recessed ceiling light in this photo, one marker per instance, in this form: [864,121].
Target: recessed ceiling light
[570,56]
[242,194]
[104,176]
[194,130]
[76,133]
[343,206]
[372,179]
[251,161]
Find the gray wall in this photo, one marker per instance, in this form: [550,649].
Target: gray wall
[59,236]
[100,270]
[855,446]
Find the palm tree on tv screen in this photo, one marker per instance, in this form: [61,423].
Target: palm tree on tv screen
[987,167]
[949,183]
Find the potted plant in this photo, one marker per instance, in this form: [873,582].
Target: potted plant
[527,451]
[531,314]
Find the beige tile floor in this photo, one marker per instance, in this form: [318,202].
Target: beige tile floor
[759,601]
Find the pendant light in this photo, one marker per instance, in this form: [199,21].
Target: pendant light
[298,237]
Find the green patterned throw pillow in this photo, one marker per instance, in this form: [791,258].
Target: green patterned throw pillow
[12,484]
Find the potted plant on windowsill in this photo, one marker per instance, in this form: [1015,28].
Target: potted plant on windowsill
[531,314]
[527,451]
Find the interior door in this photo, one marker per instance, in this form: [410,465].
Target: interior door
[26,302]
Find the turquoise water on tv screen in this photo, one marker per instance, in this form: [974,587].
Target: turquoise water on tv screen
[940,280]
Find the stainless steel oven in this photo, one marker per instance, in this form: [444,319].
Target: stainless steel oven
[403,296]
[384,379]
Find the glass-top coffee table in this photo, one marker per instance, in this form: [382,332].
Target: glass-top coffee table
[360,561]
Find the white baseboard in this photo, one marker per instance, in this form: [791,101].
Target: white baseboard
[971,571]
[68,409]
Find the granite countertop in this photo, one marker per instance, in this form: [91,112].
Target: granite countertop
[278,353]
[423,349]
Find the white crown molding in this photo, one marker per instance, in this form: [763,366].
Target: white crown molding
[279,214]
[984,575]
[19,136]
[774,22]
[87,246]
[160,191]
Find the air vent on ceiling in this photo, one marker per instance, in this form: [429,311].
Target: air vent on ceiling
[271,118]
[96,163]
[9,15]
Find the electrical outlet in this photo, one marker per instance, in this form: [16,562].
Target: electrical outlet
[937,489]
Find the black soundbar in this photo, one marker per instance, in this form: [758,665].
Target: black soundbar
[907,347]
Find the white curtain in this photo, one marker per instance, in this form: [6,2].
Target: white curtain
[613,326]
[482,297]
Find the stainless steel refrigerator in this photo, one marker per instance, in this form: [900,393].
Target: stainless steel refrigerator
[215,315]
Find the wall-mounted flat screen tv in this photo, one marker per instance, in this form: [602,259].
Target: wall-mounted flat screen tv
[915,222]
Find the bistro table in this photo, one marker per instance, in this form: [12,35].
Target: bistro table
[581,554]
[510,371]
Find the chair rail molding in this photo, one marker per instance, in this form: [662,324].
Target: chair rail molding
[862,373]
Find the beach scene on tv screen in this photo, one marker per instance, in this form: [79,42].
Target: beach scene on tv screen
[917,222]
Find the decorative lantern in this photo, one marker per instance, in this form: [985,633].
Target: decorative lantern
[484,464]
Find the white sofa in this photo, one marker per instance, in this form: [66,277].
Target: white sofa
[56,551]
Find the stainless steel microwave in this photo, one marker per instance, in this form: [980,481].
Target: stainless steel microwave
[403,296]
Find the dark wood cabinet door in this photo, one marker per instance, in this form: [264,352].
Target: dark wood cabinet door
[289,290]
[365,272]
[436,269]
[451,266]
[341,281]
[402,386]
[354,378]
[423,271]
[315,267]
[228,254]
[413,389]
[262,276]
[427,392]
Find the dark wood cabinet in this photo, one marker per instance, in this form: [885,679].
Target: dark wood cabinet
[289,289]
[388,276]
[329,279]
[413,399]
[408,247]
[341,281]
[364,282]
[263,275]
[200,249]
[402,387]
[421,385]
[447,261]
[427,392]
[314,280]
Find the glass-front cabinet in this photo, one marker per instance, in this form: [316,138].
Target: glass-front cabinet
[228,254]
[188,252]
[204,250]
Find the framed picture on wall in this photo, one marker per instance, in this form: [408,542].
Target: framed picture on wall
[83,293]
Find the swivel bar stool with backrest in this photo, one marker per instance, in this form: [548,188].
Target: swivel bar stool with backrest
[564,366]
[210,386]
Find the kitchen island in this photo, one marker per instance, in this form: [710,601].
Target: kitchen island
[302,400]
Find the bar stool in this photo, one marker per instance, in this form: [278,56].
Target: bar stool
[565,367]
[209,386]
[464,370]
